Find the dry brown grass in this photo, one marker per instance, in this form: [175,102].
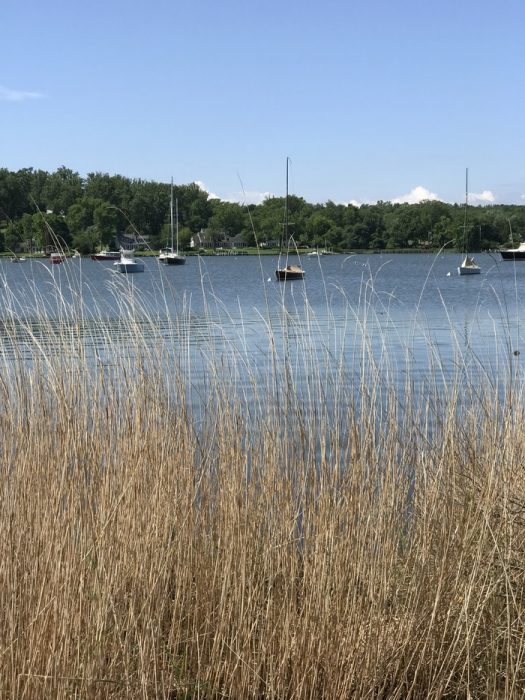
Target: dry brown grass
[372,548]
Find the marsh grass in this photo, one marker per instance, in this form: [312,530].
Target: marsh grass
[355,537]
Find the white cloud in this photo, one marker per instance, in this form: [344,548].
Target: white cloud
[236,197]
[485,197]
[9,95]
[205,189]
[418,194]
[248,197]
[356,203]
[415,196]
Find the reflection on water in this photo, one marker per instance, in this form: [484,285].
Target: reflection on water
[398,315]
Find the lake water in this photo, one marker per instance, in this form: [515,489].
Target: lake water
[410,313]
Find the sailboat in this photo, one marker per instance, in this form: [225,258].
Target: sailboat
[169,255]
[513,253]
[468,266]
[288,272]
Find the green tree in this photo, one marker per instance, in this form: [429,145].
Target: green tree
[38,182]
[55,229]
[61,190]
[148,208]
[106,220]
[113,189]
[443,232]
[195,207]
[13,236]
[356,237]
[267,220]
[184,238]
[81,215]
[228,218]
[86,241]
[318,229]
[403,226]
[30,229]
[372,216]
[298,214]
[14,194]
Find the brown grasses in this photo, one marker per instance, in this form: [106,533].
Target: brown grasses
[364,544]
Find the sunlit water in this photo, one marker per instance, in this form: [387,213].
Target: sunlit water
[408,315]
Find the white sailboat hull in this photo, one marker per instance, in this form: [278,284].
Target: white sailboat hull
[469,270]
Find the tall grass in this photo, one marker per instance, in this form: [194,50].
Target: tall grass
[360,538]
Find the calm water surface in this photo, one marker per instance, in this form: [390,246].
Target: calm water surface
[414,310]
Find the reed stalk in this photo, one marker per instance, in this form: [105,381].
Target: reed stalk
[246,535]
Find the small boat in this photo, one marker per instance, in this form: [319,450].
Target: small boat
[514,253]
[317,253]
[288,272]
[16,259]
[468,265]
[106,255]
[171,256]
[56,258]
[127,262]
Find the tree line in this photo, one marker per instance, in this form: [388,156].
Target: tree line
[38,208]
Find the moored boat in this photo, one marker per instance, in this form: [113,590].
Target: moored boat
[127,262]
[514,253]
[287,272]
[106,255]
[468,265]
[171,256]
[56,258]
[290,272]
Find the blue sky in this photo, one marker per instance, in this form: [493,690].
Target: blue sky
[371,99]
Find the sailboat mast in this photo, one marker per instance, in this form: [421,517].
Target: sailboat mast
[171,213]
[466,207]
[284,232]
[286,205]
[177,222]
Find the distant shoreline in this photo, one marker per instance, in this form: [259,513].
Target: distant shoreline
[251,252]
